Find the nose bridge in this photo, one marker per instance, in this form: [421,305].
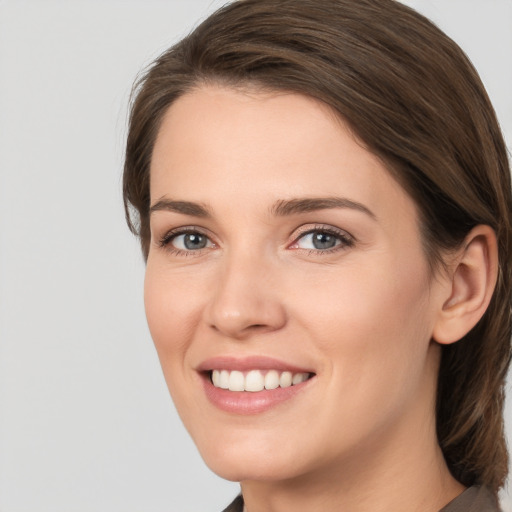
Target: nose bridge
[246,298]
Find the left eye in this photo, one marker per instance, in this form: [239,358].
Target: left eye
[319,240]
[191,241]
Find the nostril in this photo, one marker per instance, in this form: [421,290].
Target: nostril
[241,331]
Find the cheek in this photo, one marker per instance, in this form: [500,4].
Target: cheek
[172,308]
[374,320]
[373,331]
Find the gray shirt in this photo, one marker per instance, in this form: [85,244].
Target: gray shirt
[473,499]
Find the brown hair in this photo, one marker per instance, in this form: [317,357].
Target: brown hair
[412,96]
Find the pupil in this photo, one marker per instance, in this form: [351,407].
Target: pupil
[323,241]
[194,241]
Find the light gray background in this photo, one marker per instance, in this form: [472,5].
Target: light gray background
[85,420]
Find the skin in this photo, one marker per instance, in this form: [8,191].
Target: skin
[361,435]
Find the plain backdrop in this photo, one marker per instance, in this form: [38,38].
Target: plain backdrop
[86,423]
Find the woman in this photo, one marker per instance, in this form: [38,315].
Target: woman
[322,194]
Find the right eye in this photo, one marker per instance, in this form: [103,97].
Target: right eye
[182,242]
[190,241]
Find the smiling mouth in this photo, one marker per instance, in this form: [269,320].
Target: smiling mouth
[256,380]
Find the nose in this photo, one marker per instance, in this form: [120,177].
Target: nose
[245,300]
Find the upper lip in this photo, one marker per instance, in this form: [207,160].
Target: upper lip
[249,363]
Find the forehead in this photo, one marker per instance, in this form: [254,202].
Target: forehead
[263,146]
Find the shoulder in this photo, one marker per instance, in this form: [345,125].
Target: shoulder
[473,499]
[237,505]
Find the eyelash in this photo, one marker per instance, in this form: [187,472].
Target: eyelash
[165,241]
[344,238]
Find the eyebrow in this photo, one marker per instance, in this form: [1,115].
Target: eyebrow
[307,204]
[281,208]
[184,207]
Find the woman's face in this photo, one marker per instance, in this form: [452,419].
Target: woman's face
[282,250]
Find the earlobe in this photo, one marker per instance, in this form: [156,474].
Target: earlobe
[473,278]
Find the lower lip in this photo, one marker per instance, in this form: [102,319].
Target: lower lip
[247,402]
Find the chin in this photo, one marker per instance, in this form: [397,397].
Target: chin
[237,463]
[250,470]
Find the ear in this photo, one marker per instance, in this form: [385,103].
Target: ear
[472,279]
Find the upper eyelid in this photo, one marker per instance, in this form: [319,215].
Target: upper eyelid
[311,228]
[186,229]
[170,234]
[345,239]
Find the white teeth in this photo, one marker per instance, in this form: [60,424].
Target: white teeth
[236,381]
[256,380]
[220,379]
[272,380]
[285,381]
[224,379]
[299,377]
